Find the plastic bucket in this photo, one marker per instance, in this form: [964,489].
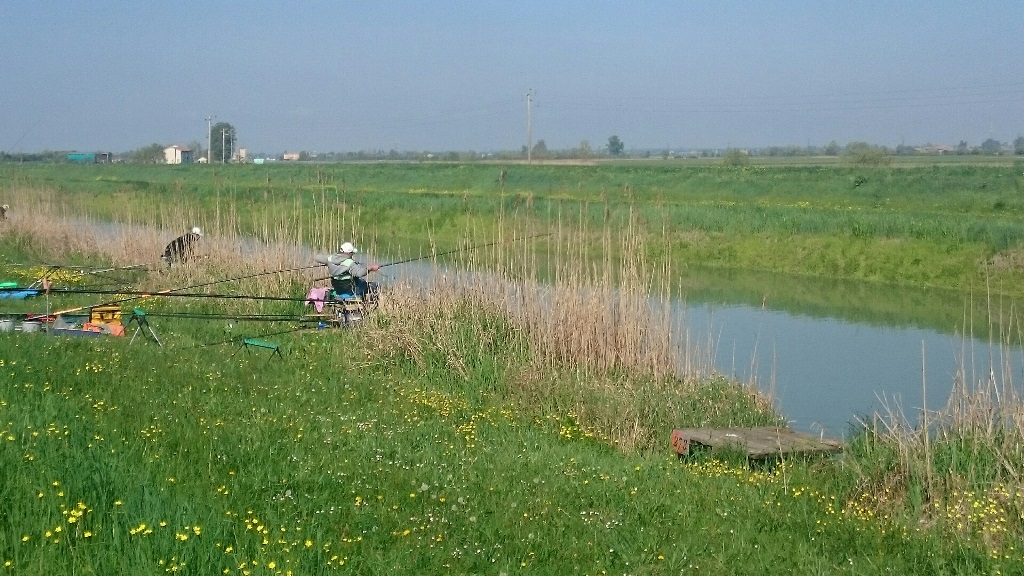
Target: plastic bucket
[6,325]
[31,326]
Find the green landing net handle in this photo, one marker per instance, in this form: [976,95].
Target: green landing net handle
[8,284]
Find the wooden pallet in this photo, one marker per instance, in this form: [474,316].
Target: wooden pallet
[758,442]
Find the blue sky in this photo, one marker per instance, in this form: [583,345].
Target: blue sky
[346,76]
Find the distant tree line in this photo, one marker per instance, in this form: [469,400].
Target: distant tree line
[857,152]
[46,156]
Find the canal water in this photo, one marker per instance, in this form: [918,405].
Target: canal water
[832,353]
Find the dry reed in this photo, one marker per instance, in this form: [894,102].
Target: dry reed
[958,465]
[588,329]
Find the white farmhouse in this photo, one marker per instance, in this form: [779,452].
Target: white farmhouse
[178,154]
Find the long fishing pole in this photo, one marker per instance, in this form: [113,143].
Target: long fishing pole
[239,317]
[175,294]
[53,269]
[183,288]
[212,283]
[82,269]
[466,249]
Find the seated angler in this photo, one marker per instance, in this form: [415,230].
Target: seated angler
[348,276]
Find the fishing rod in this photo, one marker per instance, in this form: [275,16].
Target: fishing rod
[300,268]
[477,247]
[239,317]
[44,280]
[174,294]
[82,269]
[87,270]
[51,270]
[183,288]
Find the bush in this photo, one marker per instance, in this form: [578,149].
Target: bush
[735,157]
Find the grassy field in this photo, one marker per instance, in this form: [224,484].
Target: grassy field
[512,425]
[945,224]
[952,225]
[139,460]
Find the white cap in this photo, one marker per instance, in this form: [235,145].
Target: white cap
[347,248]
[197,231]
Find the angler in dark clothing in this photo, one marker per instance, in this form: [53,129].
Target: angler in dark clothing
[182,248]
[347,275]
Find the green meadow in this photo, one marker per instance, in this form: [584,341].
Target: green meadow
[470,428]
[137,459]
[947,225]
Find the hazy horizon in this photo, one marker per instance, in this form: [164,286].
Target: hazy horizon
[337,77]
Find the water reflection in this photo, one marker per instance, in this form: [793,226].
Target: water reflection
[941,310]
[831,352]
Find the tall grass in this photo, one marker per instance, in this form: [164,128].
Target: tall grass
[123,459]
[455,370]
[594,333]
[957,467]
[950,205]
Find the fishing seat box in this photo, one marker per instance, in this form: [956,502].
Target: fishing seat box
[109,314]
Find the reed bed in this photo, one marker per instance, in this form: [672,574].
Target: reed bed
[48,231]
[561,325]
[479,332]
[949,204]
[576,330]
[595,314]
[957,467]
[588,334]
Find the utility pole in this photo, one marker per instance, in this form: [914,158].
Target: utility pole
[209,139]
[529,127]
[223,147]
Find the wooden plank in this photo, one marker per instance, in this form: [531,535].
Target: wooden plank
[758,442]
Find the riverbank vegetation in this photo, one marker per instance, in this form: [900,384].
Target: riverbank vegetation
[514,422]
[950,226]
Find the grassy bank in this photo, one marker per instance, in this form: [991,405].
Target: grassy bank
[952,226]
[468,428]
[128,460]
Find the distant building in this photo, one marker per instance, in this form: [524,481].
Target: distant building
[241,155]
[89,157]
[293,156]
[936,149]
[178,155]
